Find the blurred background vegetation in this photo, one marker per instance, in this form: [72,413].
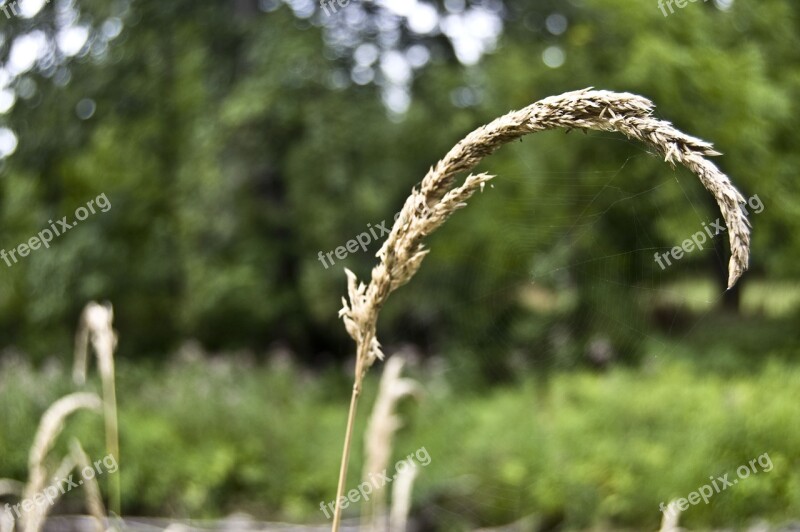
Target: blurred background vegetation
[569,377]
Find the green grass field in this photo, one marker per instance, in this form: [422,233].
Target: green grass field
[205,437]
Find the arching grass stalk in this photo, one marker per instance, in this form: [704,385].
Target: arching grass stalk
[50,428]
[403,251]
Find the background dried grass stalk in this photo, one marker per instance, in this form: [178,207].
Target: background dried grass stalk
[49,429]
[94,500]
[379,435]
[96,329]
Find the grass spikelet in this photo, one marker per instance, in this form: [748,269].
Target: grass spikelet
[403,251]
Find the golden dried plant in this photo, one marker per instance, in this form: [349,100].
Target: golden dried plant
[429,206]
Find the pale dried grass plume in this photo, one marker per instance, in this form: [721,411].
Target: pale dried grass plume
[671,517]
[96,329]
[401,498]
[34,521]
[50,427]
[381,428]
[8,487]
[94,500]
[438,197]
[6,522]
